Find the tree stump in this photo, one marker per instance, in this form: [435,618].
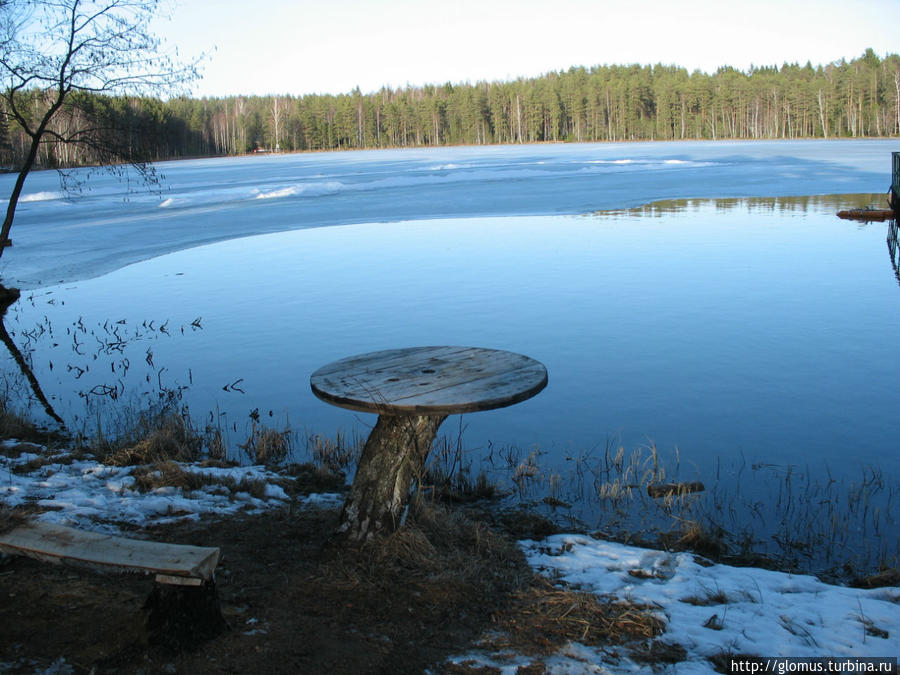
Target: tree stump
[182,617]
[394,454]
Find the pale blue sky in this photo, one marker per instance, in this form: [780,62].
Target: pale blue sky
[304,46]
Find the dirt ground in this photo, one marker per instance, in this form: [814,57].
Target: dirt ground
[295,600]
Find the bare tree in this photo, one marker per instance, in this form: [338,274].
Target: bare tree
[58,56]
[277,115]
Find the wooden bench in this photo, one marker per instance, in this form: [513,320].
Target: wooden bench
[170,563]
[183,607]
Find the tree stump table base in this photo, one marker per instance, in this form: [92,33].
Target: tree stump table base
[394,454]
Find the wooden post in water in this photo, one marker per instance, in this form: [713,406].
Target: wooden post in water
[895,182]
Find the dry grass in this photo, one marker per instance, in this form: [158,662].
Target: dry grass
[268,446]
[13,425]
[167,473]
[47,459]
[717,597]
[441,550]
[523,523]
[16,425]
[885,577]
[155,438]
[164,474]
[544,618]
[336,455]
[442,553]
[309,477]
[215,444]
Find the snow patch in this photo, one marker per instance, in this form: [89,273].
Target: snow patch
[45,196]
[301,190]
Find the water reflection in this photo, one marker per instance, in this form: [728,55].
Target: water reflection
[767,205]
[98,370]
[894,247]
[9,296]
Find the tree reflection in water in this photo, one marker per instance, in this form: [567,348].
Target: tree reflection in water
[133,381]
[894,247]
[8,296]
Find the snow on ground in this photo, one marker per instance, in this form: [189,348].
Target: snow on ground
[712,609]
[708,608]
[85,493]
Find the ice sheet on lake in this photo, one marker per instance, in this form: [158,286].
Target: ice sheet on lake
[216,199]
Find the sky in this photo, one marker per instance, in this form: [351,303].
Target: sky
[309,46]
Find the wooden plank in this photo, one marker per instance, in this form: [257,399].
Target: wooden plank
[429,380]
[60,544]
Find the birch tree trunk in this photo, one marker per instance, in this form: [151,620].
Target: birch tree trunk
[394,454]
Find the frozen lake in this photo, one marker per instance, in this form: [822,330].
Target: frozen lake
[60,237]
[738,322]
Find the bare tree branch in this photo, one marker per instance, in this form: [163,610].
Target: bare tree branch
[53,51]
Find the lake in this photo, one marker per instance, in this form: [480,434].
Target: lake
[698,296]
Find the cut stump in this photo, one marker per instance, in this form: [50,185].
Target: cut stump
[394,453]
[182,617]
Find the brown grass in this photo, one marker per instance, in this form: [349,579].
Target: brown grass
[711,598]
[16,425]
[268,446]
[13,425]
[335,455]
[149,477]
[215,444]
[440,550]
[167,473]
[308,477]
[886,577]
[543,618]
[159,438]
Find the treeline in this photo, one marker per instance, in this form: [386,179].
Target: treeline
[857,98]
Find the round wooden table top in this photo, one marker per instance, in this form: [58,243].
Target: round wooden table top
[429,380]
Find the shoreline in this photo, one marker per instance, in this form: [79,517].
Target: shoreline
[419,148]
[531,596]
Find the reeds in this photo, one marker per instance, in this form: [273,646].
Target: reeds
[784,517]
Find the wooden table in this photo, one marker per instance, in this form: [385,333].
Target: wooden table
[412,391]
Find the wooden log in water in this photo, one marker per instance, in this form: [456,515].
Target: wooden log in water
[867,215]
[674,489]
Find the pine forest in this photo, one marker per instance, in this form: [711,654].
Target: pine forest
[856,98]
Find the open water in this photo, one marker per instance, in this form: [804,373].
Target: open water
[737,319]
